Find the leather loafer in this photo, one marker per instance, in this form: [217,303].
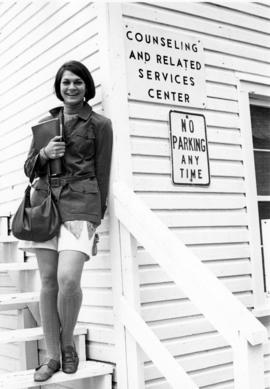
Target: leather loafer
[70,360]
[46,370]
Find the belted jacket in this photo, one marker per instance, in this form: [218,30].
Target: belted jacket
[81,189]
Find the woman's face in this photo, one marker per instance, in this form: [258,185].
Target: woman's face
[72,88]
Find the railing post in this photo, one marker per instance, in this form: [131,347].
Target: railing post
[130,276]
[248,365]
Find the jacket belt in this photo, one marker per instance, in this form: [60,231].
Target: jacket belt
[61,181]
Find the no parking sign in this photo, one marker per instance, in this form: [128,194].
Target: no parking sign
[189,149]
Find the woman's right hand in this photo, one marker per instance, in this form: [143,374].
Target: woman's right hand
[55,148]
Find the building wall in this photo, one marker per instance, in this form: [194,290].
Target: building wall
[36,39]
[212,221]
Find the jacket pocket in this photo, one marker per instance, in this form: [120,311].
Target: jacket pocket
[83,143]
[85,186]
[84,197]
[86,136]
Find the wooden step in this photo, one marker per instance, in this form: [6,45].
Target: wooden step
[24,379]
[17,300]
[30,334]
[17,266]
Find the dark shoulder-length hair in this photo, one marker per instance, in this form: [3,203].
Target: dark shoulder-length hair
[81,71]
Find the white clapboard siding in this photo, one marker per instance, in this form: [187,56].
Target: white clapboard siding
[192,200]
[203,218]
[213,235]
[207,253]
[222,91]
[219,76]
[160,183]
[15,176]
[158,165]
[162,148]
[211,376]
[9,349]
[212,220]
[153,274]
[43,35]
[195,25]
[150,112]
[11,13]
[196,362]
[163,290]
[145,129]
[18,28]
[163,310]
[15,17]
[36,39]
[239,64]
[29,50]
[241,20]
[8,364]
[16,33]
[5,7]
[260,10]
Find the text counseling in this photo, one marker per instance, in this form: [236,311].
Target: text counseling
[161,41]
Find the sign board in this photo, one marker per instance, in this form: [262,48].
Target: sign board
[164,66]
[189,149]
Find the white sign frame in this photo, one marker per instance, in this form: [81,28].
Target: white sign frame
[164,66]
[190,174]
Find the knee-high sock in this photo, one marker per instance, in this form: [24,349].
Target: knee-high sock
[50,320]
[68,308]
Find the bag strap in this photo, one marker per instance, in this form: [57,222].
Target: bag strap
[32,175]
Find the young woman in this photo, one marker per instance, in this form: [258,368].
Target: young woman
[81,191]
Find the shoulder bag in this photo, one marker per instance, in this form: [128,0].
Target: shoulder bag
[38,223]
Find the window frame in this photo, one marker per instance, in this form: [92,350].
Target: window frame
[253,90]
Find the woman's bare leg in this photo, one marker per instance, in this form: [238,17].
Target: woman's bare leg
[70,266]
[47,264]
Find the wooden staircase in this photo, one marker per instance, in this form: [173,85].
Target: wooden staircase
[91,374]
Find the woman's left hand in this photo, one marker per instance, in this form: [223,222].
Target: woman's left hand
[55,148]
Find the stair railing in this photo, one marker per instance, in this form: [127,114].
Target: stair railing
[227,314]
